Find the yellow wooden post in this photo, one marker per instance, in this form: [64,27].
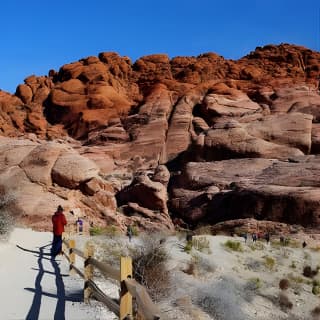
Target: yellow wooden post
[72,255]
[88,271]
[125,296]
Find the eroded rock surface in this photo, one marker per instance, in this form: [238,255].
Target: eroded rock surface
[218,139]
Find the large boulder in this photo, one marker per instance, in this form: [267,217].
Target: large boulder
[284,191]
[71,169]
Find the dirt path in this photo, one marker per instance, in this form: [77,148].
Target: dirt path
[35,287]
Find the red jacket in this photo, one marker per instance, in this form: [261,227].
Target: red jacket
[58,221]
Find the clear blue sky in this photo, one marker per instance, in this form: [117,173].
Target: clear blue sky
[41,35]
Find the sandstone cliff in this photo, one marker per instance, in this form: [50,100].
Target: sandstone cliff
[203,138]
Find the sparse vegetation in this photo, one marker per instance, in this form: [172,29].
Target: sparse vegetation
[6,217]
[316,290]
[233,245]
[201,244]
[269,262]
[149,268]
[258,245]
[255,283]
[110,230]
[242,281]
[188,246]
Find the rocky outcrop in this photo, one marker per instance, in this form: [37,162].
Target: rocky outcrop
[284,191]
[38,176]
[228,139]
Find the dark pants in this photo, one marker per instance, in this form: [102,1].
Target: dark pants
[56,245]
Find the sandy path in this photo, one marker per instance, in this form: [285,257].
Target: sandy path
[34,287]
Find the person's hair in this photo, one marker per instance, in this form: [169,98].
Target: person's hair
[59,208]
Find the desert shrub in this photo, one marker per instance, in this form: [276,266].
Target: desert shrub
[149,269]
[233,245]
[6,218]
[308,272]
[201,244]
[200,266]
[188,247]
[106,231]
[258,245]
[316,290]
[316,312]
[254,284]
[269,262]
[284,302]
[293,265]
[253,264]
[284,284]
[110,249]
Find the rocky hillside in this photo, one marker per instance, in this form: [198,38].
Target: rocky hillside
[201,138]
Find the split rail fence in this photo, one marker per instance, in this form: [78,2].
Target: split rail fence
[129,288]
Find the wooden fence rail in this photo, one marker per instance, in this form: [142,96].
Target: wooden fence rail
[129,288]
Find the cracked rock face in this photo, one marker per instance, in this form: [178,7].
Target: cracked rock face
[202,138]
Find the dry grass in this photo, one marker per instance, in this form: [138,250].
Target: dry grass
[6,218]
[149,267]
[233,245]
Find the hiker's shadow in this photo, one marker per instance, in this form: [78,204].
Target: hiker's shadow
[60,294]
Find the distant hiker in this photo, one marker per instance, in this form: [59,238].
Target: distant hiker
[58,223]
[129,232]
[79,224]
[282,240]
[254,237]
[304,244]
[267,237]
[245,236]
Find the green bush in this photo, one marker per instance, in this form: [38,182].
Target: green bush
[255,283]
[188,247]
[269,262]
[105,231]
[233,245]
[316,290]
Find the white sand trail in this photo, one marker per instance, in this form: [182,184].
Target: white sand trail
[35,287]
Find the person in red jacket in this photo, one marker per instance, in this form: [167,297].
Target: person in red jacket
[58,222]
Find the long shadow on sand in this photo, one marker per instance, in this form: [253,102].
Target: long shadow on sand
[61,297]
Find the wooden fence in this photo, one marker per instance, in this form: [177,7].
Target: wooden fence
[129,288]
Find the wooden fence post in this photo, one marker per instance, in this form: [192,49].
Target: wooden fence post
[125,296]
[72,255]
[88,271]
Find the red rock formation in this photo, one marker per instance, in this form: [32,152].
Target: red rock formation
[129,118]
